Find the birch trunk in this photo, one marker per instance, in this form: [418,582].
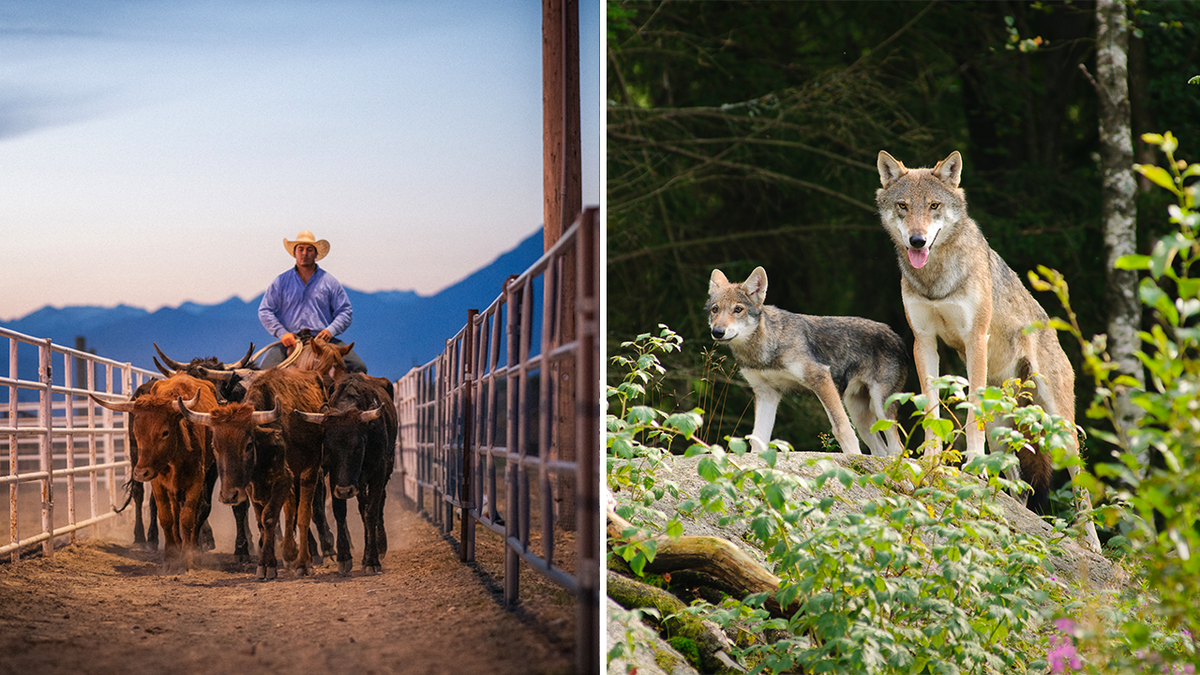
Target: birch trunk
[1119,210]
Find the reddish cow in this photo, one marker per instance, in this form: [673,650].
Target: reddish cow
[172,456]
[265,454]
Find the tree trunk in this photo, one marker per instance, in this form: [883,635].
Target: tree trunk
[1118,207]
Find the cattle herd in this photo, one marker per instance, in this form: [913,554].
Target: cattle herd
[274,437]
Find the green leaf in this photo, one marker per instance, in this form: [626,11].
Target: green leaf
[641,414]
[1133,262]
[1157,175]
[686,423]
[768,455]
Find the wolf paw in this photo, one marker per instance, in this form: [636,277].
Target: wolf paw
[756,444]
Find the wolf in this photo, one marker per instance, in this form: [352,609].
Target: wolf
[850,359]
[956,288]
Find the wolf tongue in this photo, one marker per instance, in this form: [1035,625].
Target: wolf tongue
[918,257]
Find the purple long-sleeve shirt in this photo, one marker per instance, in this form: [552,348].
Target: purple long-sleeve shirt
[290,305]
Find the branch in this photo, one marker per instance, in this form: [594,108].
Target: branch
[753,170]
[735,236]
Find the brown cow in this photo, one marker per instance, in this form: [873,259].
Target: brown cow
[266,454]
[172,456]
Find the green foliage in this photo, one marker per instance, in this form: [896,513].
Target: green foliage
[899,583]
[625,648]
[924,577]
[638,439]
[1155,477]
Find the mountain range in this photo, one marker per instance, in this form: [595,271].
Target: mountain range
[392,331]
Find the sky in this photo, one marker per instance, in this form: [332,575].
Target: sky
[154,153]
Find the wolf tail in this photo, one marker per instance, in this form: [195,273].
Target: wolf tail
[1036,470]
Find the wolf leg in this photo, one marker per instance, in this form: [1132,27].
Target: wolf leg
[977,375]
[843,431]
[925,357]
[881,411]
[766,402]
[1045,396]
[863,415]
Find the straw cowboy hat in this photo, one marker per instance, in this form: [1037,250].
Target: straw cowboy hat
[306,237]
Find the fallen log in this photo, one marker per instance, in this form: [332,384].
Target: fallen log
[686,632]
[713,556]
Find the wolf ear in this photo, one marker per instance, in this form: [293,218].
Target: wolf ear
[889,168]
[949,170]
[716,280]
[756,286]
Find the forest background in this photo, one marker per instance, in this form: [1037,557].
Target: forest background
[742,134]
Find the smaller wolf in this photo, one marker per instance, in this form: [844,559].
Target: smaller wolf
[849,359]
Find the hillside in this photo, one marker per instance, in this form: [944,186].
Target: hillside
[392,330]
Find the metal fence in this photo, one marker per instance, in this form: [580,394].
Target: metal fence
[502,428]
[58,441]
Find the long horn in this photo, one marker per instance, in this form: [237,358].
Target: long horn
[168,360]
[267,416]
[295,355]
[118,406]
[241,363]
[316,418]
[161,368]
[368,415]
[197,417]
[222,375]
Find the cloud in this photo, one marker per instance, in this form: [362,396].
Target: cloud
[24,110]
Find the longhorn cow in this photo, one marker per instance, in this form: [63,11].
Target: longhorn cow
[267,456]
[358,425]
[173,456]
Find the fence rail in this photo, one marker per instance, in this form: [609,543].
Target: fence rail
[502,428]
[57,438]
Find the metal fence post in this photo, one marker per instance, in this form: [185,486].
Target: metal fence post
[587,419]
[45,446]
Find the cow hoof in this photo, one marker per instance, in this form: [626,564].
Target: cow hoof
[303,572]
[372,570]
[317,560]
[344,567]
[266,573]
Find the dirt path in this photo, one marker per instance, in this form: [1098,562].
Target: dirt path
[102,606]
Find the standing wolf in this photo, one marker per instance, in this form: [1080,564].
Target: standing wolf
[955,287]
[839,358]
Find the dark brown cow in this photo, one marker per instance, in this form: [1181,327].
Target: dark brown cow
[173,455]
[136,491]
[359,427]
[265,454]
